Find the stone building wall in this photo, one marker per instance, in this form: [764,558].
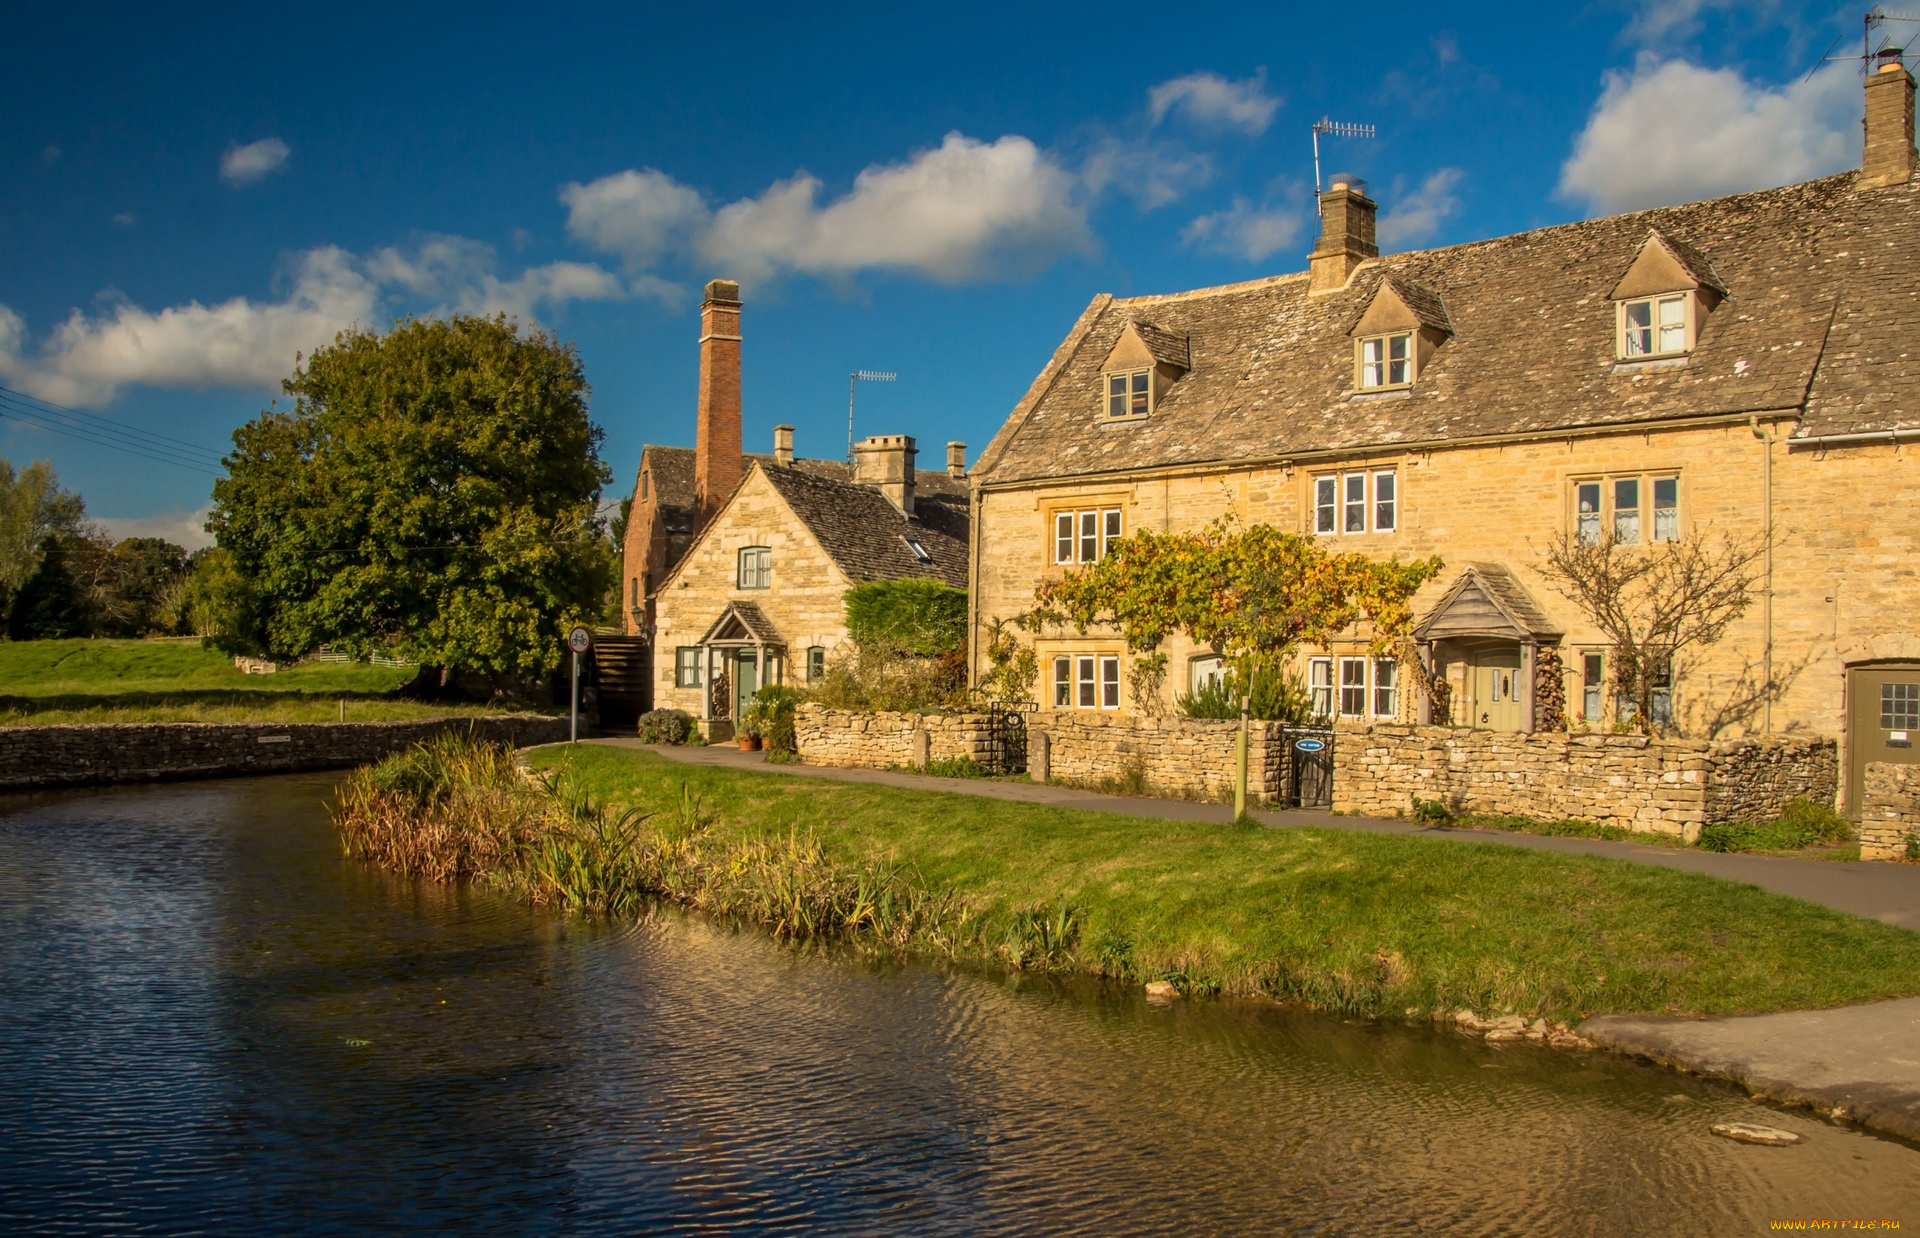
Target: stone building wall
[878,740]
[1174,756]
[1668,786]
[53,756]
[1891,814]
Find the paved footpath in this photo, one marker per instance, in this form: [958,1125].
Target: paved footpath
[1859,1063]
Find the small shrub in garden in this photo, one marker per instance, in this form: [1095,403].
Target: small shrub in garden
[1431,812]
[665,726]
[956,767]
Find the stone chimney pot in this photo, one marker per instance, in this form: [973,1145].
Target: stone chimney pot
[956,459]
[885,461]
[1888,157]
[783,446]
[1346,234]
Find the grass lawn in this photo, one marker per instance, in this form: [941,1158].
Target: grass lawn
[90,681]
[1378,924]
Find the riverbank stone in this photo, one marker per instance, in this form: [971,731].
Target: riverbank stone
[1748,1132]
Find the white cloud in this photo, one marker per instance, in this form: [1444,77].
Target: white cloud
[1152,173]
[965,210]
[1669,21]
[1417,216]
[243,165]
[187,529]
[1247,231]
[245,343]
[1671,131]
[1212,99]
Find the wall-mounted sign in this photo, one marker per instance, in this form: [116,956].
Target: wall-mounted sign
[1309,745]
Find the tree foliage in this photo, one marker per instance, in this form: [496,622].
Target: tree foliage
[1652,603]
[1251,593]
[925,618]
[33,508]
[48,605]
[430,494]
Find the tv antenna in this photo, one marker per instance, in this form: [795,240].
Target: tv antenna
[854,380]
[1333,129]
[1874,18]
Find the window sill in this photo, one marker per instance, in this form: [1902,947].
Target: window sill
[1665,361]
[1129,419]
[1381,393]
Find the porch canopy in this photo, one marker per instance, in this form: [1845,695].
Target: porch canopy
[742,626]
[1487,608]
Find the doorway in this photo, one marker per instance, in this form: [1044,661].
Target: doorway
[1495,676]
[746,681]
[1883,722]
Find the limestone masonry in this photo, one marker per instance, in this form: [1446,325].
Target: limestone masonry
[1892,814]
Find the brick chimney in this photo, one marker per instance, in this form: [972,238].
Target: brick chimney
[1888,159]
[783,446]
[956,459]
[716,440]
[886,461]
[1346,233]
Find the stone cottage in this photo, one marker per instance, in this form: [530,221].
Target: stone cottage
[1745,367]
[735,565]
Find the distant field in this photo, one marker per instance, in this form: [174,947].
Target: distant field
[86,681]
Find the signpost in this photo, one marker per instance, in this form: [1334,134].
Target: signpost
[579,640]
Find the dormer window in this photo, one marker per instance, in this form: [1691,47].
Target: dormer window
[1130,393]
[1655,326]
[1386,361]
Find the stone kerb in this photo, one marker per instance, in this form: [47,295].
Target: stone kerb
[1890,815]
[1670,786]
[1189,757]
[53,756]
[880,739]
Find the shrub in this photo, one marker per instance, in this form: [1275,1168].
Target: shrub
[868,680]
[1431,812]
[926,618]
[665,726]
[1801,824]
[770,716]
[1276,697]
[956,767]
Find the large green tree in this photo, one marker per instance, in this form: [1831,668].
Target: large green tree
[430,494]
[33,508]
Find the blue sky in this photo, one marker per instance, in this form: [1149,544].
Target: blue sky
[191,197]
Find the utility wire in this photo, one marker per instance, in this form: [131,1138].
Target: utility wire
[47,409]
[9,410]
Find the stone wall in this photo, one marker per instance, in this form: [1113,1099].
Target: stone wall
[1188,757]
[1668,786]
[1891,814]
[877,740]
[53,756]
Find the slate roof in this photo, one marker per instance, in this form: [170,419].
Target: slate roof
[1692,261]
[750,619]
[1426,306]
[864,533]
[1532,350]
[1164,345]
[1498,584]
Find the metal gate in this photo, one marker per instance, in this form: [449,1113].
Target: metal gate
[1006,741]
[1309,767]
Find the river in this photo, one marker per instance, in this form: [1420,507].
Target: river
[211,1022]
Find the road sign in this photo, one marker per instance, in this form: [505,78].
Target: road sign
[579,640]
[1309,745]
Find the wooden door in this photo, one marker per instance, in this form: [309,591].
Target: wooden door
[1883,722]
[746,681]
[1496,691]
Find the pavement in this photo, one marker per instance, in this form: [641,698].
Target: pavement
[1858,1064]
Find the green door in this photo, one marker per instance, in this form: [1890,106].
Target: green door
[1496,691]
[745,682]
[1883,722]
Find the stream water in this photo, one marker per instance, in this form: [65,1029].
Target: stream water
[210,1021]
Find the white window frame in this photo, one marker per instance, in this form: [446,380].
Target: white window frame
[1649,522]
[762,567]
[1205,669]
[682,663]
[1386,512]
[1084,535]
[1667,529]
[1326,504]
[1593,685]
[1379,368]
[1109,681]
[1339,497]
[1086,687]
[1384,692]
[1128,394]
[1063,682]
[816,663]
[1662,335]
[1359,685]
[1320,687]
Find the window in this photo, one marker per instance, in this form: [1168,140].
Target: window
[1660,700]
[1340,502]
[1385,507]
[919,551]
[1086,681]
[635,603]
[1353,687]
[1654,326]
[643,486]
[1320,686]
[756,567]
[1386,361]
[1109,683]
[1084,536]
[1620,503]
[1203,671]
[1084,667]
[1592,686]
[1062,682]
[1386,688]
[686,666]
[816,663]
[1900,706]
[1130,394]
[1626,510]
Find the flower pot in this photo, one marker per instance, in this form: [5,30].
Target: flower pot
[746,743]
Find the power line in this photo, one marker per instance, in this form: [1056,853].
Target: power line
[10,410]
[93,421]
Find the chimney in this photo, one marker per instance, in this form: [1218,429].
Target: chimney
[783,446]
[1888,159]
[1346,233]
[956,459]
[716,441]
[886,461]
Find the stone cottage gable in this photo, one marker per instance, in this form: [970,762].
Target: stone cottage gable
[867,536]
[1533,349]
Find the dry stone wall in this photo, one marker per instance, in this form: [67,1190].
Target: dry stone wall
[879,739]
[53,756]
[1890,816]
[1667,786]
[1188,757]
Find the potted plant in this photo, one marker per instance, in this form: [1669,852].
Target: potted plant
[753,724]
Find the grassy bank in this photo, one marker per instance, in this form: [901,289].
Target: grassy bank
[1374,924]
[95,681]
